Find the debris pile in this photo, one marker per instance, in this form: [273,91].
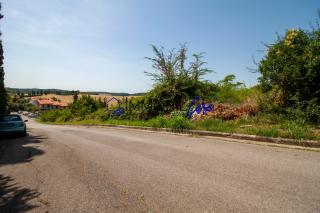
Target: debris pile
[228,112]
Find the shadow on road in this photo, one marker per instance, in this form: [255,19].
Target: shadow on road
[14,198]
[19,150]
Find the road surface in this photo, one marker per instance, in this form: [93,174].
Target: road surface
[81,169]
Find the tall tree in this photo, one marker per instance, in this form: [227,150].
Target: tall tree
[3,93]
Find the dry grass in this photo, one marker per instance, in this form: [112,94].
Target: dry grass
[68,99]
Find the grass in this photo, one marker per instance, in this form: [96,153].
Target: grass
[179,123]
[262,125]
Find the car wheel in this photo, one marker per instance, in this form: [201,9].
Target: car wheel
[24,134]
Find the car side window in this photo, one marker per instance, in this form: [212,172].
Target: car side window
[15,118]
[9,118]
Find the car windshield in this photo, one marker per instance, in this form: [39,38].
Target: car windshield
[8,118]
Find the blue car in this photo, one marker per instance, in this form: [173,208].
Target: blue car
[12,125]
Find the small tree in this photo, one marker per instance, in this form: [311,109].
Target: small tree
[3,93]
[291,68]
[175,82]
[75,96]
[228,90]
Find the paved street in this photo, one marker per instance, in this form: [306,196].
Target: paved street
[80,169]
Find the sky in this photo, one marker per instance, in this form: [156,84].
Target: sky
[101,45]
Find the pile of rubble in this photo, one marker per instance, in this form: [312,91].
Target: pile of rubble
[228,112]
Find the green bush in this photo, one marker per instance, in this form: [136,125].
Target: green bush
[291,67]
[312,112]
[175,82]
[290,73]
[63,115]
[104,117]
[57,116]
[85,106]
[176,113]
[230,91]
[159,122]
[96,115]
[180,123]
[49,116]
[17,103]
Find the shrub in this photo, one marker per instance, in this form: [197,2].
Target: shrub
[290,72]
[63,115]
[159,122]
[85,106]
[175,83]
[176,113]
[104,117]
[230,91]
[179,123]
[49,116]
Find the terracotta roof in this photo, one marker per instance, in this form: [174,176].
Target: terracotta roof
[55,103]
[45,101]
[63,104]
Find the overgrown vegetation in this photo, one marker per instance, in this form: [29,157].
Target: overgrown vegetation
[285,103]
[290,75]
[3,93]
[18,103]
[175,82]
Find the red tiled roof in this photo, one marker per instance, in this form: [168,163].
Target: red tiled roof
[45,101]
[63,104]
[55,103]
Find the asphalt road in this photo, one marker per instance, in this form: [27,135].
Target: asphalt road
[80,169]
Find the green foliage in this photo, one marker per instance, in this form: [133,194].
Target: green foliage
[84,106]
[63,115]
[291,72]
[296,129]
[216,125]
[104,116]
[159,122]
[3,93]
[179,123]
[17,103]
[177,113]
[230,91]
[75,97]
[263,131]
[59,116]
[174,82]
[306,112]
[312,112]
[49,116]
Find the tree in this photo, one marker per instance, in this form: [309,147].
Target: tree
[175,83]
[3,93]
[228,90]
[291,68]
[75,96]
[168,68]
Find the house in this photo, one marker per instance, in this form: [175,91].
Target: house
[47,104]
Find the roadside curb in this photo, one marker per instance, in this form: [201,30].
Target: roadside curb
[283,141]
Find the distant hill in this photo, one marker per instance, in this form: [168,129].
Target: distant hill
[37,91]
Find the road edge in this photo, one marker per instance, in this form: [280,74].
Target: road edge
[280,141]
